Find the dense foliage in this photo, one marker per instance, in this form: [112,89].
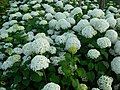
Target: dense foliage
[58,45]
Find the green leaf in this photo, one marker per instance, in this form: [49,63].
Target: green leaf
[90,66]
[91,76]
[104,53]
[17,78]
[81,72]
[100,67]
[35,77]
[26,82]
[25,73]
[68,56]
[54,78]
[66,70]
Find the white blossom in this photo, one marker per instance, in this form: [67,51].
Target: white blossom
[49,16]
[52,50]
[105,82]
[89,32]
[112,22]
[76,11]
[117,47]
[60,39]
[115,65]
[27,16]
[59,3]
[68,7]
[104,42]
[93,53]
[95,89]
[60,15]
[112,35]
[39,62]
[51,86]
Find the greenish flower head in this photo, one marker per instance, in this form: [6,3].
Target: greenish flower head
[72,50]
[83,87]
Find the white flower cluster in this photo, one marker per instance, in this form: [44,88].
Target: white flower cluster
[118,22]
[103,42]
[112,35]
[93,53]
[95,89]
[2,88]
[10,61]
[117,47]
[73,41]
[39,62]
[96,13]
[112,21]
[27,16]
[88,32]
[51,86]
[39,45]
[99,24]
[105,82]
[115,65]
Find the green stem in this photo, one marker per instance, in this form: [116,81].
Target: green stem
[45,75]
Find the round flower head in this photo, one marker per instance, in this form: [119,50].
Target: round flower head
[73,41]
[10,61]
[68,7]
[112,35]
[81,25]
[60,15]
[52,50]
[101,25]
[51,86]
[95,89]
[97,13]
[88,32]
[40,45]
[115,65]
[27,16]
[118,22]
[60,39]
[27,48]
[112,22]
[2,88]
[83,87]
[63,24]
[39,62]
[49,16]
[52,23]
[117,48]
[71,20]
[59,3]
[105,82]
[76,11]
[103,42]
[93,53]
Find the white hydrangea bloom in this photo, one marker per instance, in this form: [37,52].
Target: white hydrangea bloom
[84,7]
[60,39]
[95,89]
[93,53]
[97,13]
[85,17]
[66,13]
[112,22]
[49,16]
[81,25]
[76,11]
[60,15]
[50,40]
[117,47]
[69,35]
[63,24]
[112,35]
[68,7]
[40,45]
[34,13]
[115,65]
[89,32]
[59,3]
[11,22]
[27,48]
[18,14]
[55,60]
[43,22]
[52,23]
[71,20]
[104,42]
[10,61]
[36,6]
[118,22]
[52,50]
[105,82]
[39,62]
[24,7]
[49,0]
[33,2]
[40,35]
[2,88]
[27,16]
[50,31]
[30,36]
[51,86]
[17,50]
[100,24]
[60,71]
[113,9]
[73,41]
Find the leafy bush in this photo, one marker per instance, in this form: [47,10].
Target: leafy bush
[57,45]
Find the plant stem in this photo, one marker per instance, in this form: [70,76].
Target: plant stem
[45,75]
